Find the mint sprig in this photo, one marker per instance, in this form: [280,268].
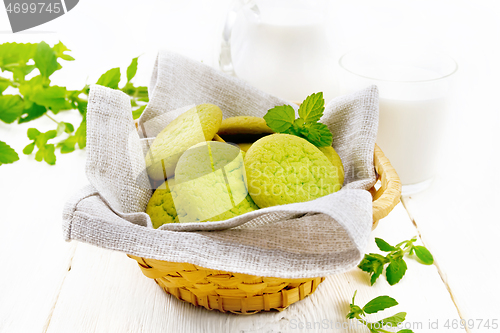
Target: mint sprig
[374,263]
[26,98]
[281,119]
[377,304]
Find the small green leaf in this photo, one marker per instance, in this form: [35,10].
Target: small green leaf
[379,303]
[378,268]
[137,112]
[32,112]
[11,108]
[132,69]
[45,59]
[293,131]
[49,155]
[33,133]
[67,145]
[16,53]
[7,154]
[63,127]
[319,135]
[4,84]
[29,148]
[312,108]
[81,134]
[371,263]
[395,271]
[82,106]
[53,97]
[405,331]
[280,118]
[424,255]
[393,321]
[355,310]
[27,88]
[69,128]
[51,134]
[110,79]
[383,245]
[45,151]
[59,50]
[39,155]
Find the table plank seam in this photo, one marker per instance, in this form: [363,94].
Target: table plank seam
[56,297]
[441,274]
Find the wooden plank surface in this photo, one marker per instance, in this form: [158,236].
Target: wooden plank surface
[34,256]
[105,291]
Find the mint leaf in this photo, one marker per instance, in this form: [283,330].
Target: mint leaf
[29,148]
[132,69]
[32,112]
[45,151]
[312,108]
[378,268]
[356,311]
[53,97]
[137,112]
[67,145]
[81,134]
[80,138]
[280,118]
[11,108]
[27,88]
[395,271]
[373,263]
[45,59]
[49,155]
[405,331]
[379,303]
[7,154]
[33,133]
[16,53]
[393,321]
[384,246]
[59,50]
[319,135]
[4,84]
[375,305]
[110,79]
[424,255]
[63,127]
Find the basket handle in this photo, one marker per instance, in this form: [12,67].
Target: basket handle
[389,193]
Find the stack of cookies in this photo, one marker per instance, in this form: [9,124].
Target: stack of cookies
[212,169]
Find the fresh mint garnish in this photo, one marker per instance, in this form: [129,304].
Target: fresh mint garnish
[281,119]
[374,263]
[29,98]
[375,305]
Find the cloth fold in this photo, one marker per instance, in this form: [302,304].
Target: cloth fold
[316,238]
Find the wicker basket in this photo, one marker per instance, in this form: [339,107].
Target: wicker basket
[248,294]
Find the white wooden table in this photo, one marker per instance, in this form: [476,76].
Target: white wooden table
[47,285]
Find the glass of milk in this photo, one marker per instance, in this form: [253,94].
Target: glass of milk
[279,46]
[414,85]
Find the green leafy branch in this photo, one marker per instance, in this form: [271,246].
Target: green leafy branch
[31,96]
[375,305]
[374,263]
[281,119]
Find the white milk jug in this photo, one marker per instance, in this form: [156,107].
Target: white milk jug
[280,47]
